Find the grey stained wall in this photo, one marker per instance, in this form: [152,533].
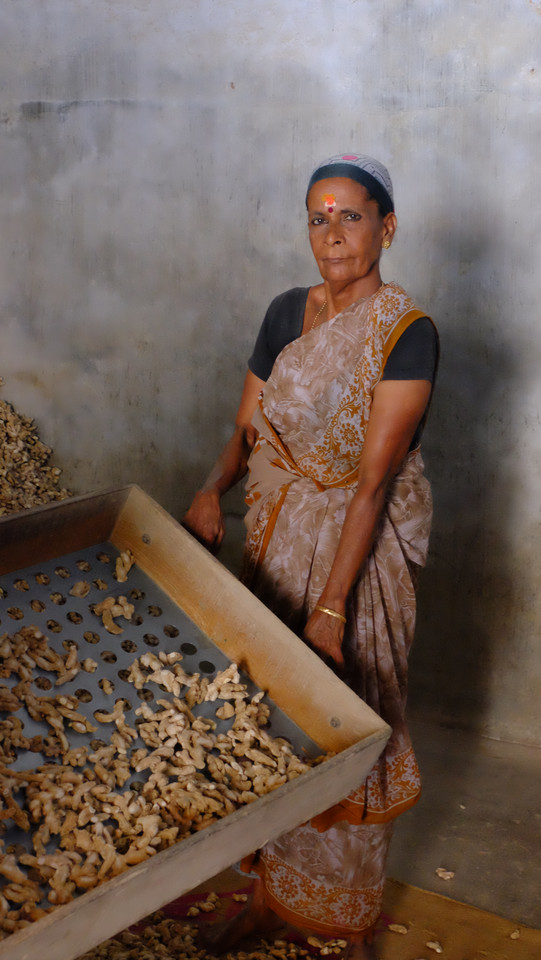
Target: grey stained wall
[153,158]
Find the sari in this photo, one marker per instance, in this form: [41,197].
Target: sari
[327,875]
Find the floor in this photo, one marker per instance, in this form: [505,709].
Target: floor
[413,923]
[479,816]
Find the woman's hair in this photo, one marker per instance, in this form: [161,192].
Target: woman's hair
[370,173]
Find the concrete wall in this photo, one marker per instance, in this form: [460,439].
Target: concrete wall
[153,164]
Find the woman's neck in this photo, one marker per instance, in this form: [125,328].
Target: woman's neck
[339,298]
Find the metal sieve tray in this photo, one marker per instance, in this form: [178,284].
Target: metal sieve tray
[184,599]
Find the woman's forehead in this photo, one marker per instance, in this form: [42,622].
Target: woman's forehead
[338,190]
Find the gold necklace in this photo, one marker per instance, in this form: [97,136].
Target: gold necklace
[321,309]
[362,300]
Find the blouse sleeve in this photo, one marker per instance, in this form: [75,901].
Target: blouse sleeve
[282,324]
[415,354]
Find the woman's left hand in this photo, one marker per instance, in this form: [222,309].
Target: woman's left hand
[325,634]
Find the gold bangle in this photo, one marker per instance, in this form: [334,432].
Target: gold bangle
[332,613]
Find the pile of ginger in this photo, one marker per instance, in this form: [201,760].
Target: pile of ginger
[26,477]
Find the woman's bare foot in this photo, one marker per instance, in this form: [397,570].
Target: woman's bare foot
[362,950]
[256,920]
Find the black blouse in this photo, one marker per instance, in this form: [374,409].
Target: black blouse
[413,357]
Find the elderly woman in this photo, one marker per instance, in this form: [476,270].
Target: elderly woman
[328,429]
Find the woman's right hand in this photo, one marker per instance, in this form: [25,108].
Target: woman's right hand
[325,634]
[205,520]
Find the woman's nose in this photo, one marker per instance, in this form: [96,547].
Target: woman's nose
[333,235]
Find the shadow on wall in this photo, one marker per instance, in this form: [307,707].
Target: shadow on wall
[466,594]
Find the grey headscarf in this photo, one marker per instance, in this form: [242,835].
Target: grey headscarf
[365,170]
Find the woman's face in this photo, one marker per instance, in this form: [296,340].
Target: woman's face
[346,232]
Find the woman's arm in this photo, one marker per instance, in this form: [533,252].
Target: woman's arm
[397,408]
[204,518]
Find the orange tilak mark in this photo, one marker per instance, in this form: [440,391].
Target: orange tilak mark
[330,201]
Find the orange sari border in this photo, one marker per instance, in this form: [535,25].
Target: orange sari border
[373,802]
[269,530]
[399,328]
[329,930]
[353,812]
[332,901]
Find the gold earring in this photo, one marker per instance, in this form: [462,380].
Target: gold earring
[386,244]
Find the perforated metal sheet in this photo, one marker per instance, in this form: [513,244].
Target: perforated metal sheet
[40,596]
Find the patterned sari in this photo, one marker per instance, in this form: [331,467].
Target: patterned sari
[328,874]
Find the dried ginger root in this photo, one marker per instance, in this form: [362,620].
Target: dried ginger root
[165,938]
[26,479]
[123,565]
[19,654]
[113,607]
[192,774]
[80,589]
[29,648]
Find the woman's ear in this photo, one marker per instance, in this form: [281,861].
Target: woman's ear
[389,229]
